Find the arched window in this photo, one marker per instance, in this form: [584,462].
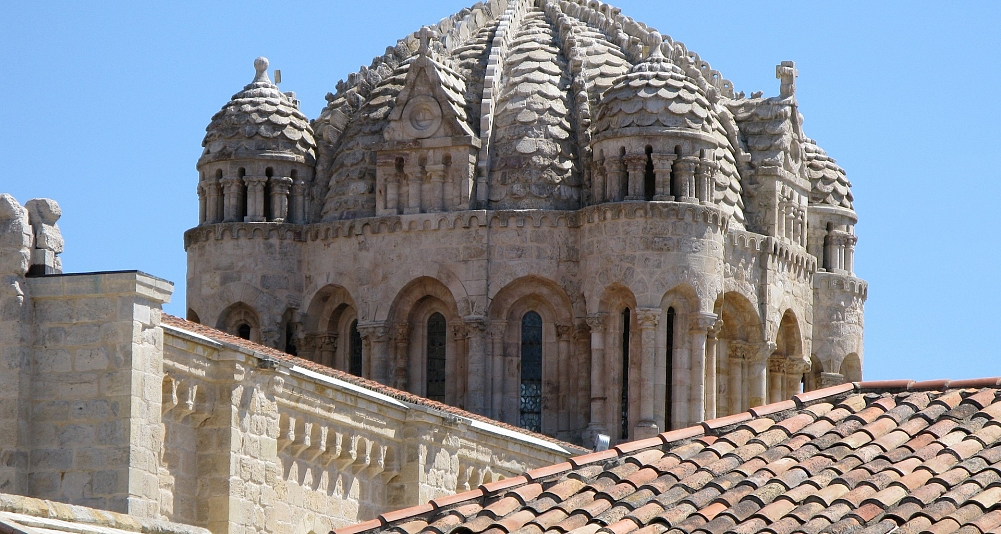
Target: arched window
[624,433]
[290,339]
[436,357]
[243,331]
[670,369]
[531,372]
[354,348]
[649,176]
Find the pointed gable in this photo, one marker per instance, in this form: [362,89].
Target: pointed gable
[431,103]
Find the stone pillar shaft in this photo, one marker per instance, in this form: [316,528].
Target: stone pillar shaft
[701,324]
[477,363]
[255,198]
[436,177]
[298,208]
[614,174]
[233,199]
[597,424]
[647,320]
[662,164]
[279,197]
[212,214]
[414,192]
[636,168]
[684,179]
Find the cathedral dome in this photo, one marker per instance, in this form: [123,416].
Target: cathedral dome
[654,94]
[260,122]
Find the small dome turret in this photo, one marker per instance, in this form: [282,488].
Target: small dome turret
[260,121]
[259,157]
[655,93]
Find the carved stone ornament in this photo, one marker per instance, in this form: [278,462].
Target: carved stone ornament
[421,117]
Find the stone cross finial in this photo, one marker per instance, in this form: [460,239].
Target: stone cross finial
[653,40]
[426,34]
[786,72]
[261,65]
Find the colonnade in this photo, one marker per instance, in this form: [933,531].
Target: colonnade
[407,184]
[675,178]
[252,198]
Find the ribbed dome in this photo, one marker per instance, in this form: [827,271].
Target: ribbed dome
[828,182]
[655,93]
[259,121]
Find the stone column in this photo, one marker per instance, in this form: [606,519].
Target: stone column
[414,191]
[477,394]
[202,202]
[758,374]
[326,345]
[684,179]
[647,320]
[436,176]
[850,253]
[393,183]
[496,367]
[279,197]
[736,353]
[212,214]
[636,167]
[401,376]
[794,376]
[596,426]
[564,335]
[704,179]
[376,356]
[711,385]
[298,208]
[614,174]
[776,379]
[598,183]
[662,164]
[233,199]
[701,323]
[255,198]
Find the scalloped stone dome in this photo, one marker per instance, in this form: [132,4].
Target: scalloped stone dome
[259,122]
[654,93]
[828,182]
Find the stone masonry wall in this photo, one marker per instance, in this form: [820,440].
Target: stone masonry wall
[95,395]
[281,449]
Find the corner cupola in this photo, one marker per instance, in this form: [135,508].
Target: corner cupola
[427,160]
[258,158]
[654,133]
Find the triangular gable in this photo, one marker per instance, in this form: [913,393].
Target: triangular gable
[432,101]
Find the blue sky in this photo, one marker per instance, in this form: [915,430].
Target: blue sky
[105,105]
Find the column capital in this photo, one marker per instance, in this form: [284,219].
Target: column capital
[635,162]
[764,351]
[402,332]
[475,322]
[498,328]
[663,162]
[283,182]
[648,317]
[255,180]
[702,322]
[564,331]
[458,331]
[373,331]
[715,329]
[797,366]
[596,321]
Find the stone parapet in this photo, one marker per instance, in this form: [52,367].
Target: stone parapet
[315,450]
[95,435]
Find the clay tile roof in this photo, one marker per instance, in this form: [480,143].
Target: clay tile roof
[913,457]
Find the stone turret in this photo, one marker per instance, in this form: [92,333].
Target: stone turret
[259,155]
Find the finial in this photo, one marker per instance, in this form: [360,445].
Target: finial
[786,72]
[261,65]
[426,34]
[653,40]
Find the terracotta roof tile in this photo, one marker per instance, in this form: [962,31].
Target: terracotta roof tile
[838,463]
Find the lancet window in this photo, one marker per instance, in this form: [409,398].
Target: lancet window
[624,432]
[435,356]
[531,372]
[355,350]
